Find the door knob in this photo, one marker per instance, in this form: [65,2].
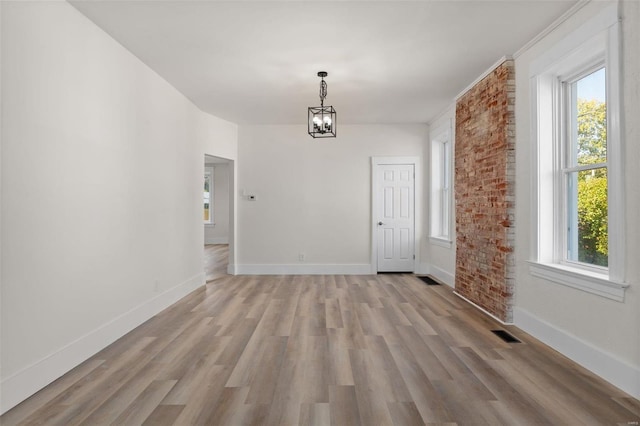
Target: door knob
[380,223]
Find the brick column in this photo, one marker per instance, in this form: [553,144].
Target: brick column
[484,192]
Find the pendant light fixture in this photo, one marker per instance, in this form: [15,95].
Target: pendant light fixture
[322,119]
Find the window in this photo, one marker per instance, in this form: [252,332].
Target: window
[584,171]
[441,186]
[208,195]
[578,232]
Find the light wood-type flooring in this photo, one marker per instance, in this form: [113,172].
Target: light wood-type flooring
[216,259]
[339,350]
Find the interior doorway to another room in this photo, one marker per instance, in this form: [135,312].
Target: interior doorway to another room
[216,216]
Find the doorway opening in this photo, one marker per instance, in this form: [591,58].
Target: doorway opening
[216,216]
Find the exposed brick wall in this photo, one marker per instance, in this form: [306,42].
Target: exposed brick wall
[484,192]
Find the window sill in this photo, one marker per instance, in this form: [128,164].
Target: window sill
[440,242]
[591,282]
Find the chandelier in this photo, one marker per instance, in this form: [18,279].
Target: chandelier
[322,119]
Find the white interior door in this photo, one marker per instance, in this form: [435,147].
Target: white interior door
[395,221]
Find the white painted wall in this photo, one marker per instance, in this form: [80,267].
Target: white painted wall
[101,192]
[218,232]
[439,260]
[313,195]
[599,333]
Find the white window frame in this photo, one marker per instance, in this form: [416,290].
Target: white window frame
[441,186]
[594,43]
[208,171]
[569,133]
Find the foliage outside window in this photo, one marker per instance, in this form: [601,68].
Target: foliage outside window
[585,170]
[579,203]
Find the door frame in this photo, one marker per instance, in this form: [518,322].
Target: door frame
[233,208]
[417,206]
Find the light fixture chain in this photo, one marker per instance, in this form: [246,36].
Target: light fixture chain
[323,91]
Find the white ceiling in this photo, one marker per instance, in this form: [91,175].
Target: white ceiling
[256,62]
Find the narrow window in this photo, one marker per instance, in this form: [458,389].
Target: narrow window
[585,169]
[208,195]
[441,186]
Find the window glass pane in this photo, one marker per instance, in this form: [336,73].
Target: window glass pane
[444,231]
[206,197]
[588,240]
[590,115]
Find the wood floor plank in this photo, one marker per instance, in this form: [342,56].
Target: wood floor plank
[521,410]
[315,414]
[339,358]
[263,382]
[163,415]
[318,350]
[372,408]
[46,395]
[333,315]
[404,413]
[343,404]
[432,407]
[203,400]
[144,405]
[230,408]
[287,398]
[425,357]
[128,391]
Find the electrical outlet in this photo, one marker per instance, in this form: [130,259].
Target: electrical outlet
[301,257]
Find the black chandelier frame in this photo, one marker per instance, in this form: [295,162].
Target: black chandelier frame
[322,120]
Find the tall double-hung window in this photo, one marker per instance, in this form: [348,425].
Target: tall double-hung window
[441,188]
[584,169]
[579,226]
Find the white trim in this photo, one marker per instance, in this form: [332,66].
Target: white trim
[442,115]
[440,242]
[417,206]
[482,309]
[483,75]
[24,383]
[445,276]
[603,20]
[301,269]
[441,156]
[555,24]
[595,41]
[615,158]
[606,365]
[581,279]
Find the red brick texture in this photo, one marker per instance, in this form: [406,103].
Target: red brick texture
[484,192]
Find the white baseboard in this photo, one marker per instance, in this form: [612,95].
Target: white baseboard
[303,269]
[617,372]
[216,240]
[439,273]
[423,269]
[444,276]
[231,269]
[482,309]
[24,383]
